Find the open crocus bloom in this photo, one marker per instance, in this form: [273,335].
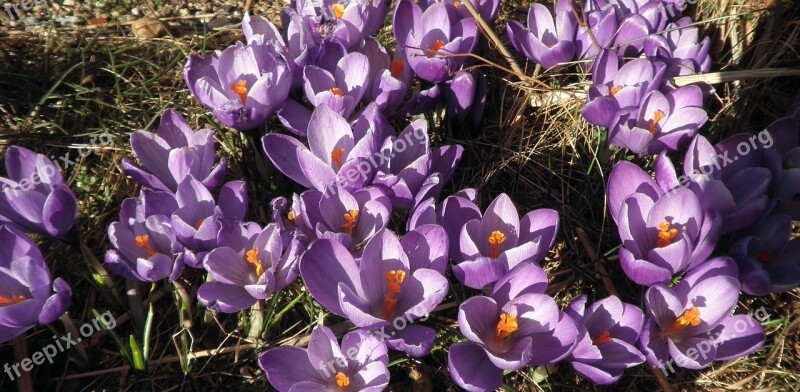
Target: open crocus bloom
[694,318]
[664,122]
[619,87]
[342,88]
[359,364]
[546,41]
[499,241]
[26,288]
[394,283]
[346,22]
[452,214]
[145,247]
[249,271]
[768,261]
[607,334]
[336,154]
[242,85]
[172,153]
[435,41]
[663,234]
[34,197]
[517,326]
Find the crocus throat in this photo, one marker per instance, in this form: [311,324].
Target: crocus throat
[252,258]
[665,234]
[15,299]
[506,326]
[765,257]
[143,241]
[397,68]
[240,88]
[350,221]
[393,280]
[604,337]
[615,90]
[657,116]
[342,380]
[337,91]
[338,10]
[690,317]
[495,240]
[437,45]
[336,156]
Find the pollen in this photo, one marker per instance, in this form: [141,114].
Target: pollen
[393,280]
[435,48]
[337,91]
[350,218]
[15,299]
[338,10]
[336,156]
[665,234]
[506,326]
[690,317]
[604,337]
[765,257]
[252,258]
[342,380]
[397,68]
[143,241]
[657,116]
[615,90]
[495,240]
[457,4]
[290,216]
[240,88]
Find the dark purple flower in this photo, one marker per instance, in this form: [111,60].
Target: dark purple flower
[547,41]
[35,197]
[27,295]
[243,85]
[394,283]
[493,245]
[518,325]
[782,157]
[465,95]
[359,364]
[769,262]
[174,152]
[607,334]
[691,324]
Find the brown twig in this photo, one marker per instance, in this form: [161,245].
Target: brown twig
[489,32]
[24,382]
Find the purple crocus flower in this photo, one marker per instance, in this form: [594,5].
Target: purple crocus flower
[518,325]
[27,295]
[174,152]
[603,25]
[691,324]
[251,270]
[782,157]
[681,47]
[618,87]
[663,234]
[607,334]
[346,22]
[488,9]
[664,122]
[35,197]
[493,245]
[435,41]
[337,153]
[389,78]
[243,85]
[547,41]
[145,247]
[411,163]
[452,214]
[359,364]
[351,219]
[768,260]
[394,283]
[342,89]
[465,95]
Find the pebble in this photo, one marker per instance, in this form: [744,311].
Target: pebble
[148,28]
[68,3]
[184,12]
[69,20]
[219,21]
[135,12]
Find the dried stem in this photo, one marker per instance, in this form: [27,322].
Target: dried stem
[492,36]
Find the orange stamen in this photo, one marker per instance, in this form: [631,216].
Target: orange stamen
[342,380]
[199,224]
[495,240]
[657,116]
[336,156]
[290,216]
[240,88]
[143,241]
[506,326]
[665,234]
[338,10]
[350,218]
[337,91]
[765,257]
[437,45]
[393,280]
[15,299]
[690,317]
[615,90]
[397,68]
[252,258]
[604,337]
[457,4]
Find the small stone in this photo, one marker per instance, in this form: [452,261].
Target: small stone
[136,12]
[116,14]
[126,18]
[184,12]
[30,21]
[68,3]
[69,20]
[218,21]
[148,28]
